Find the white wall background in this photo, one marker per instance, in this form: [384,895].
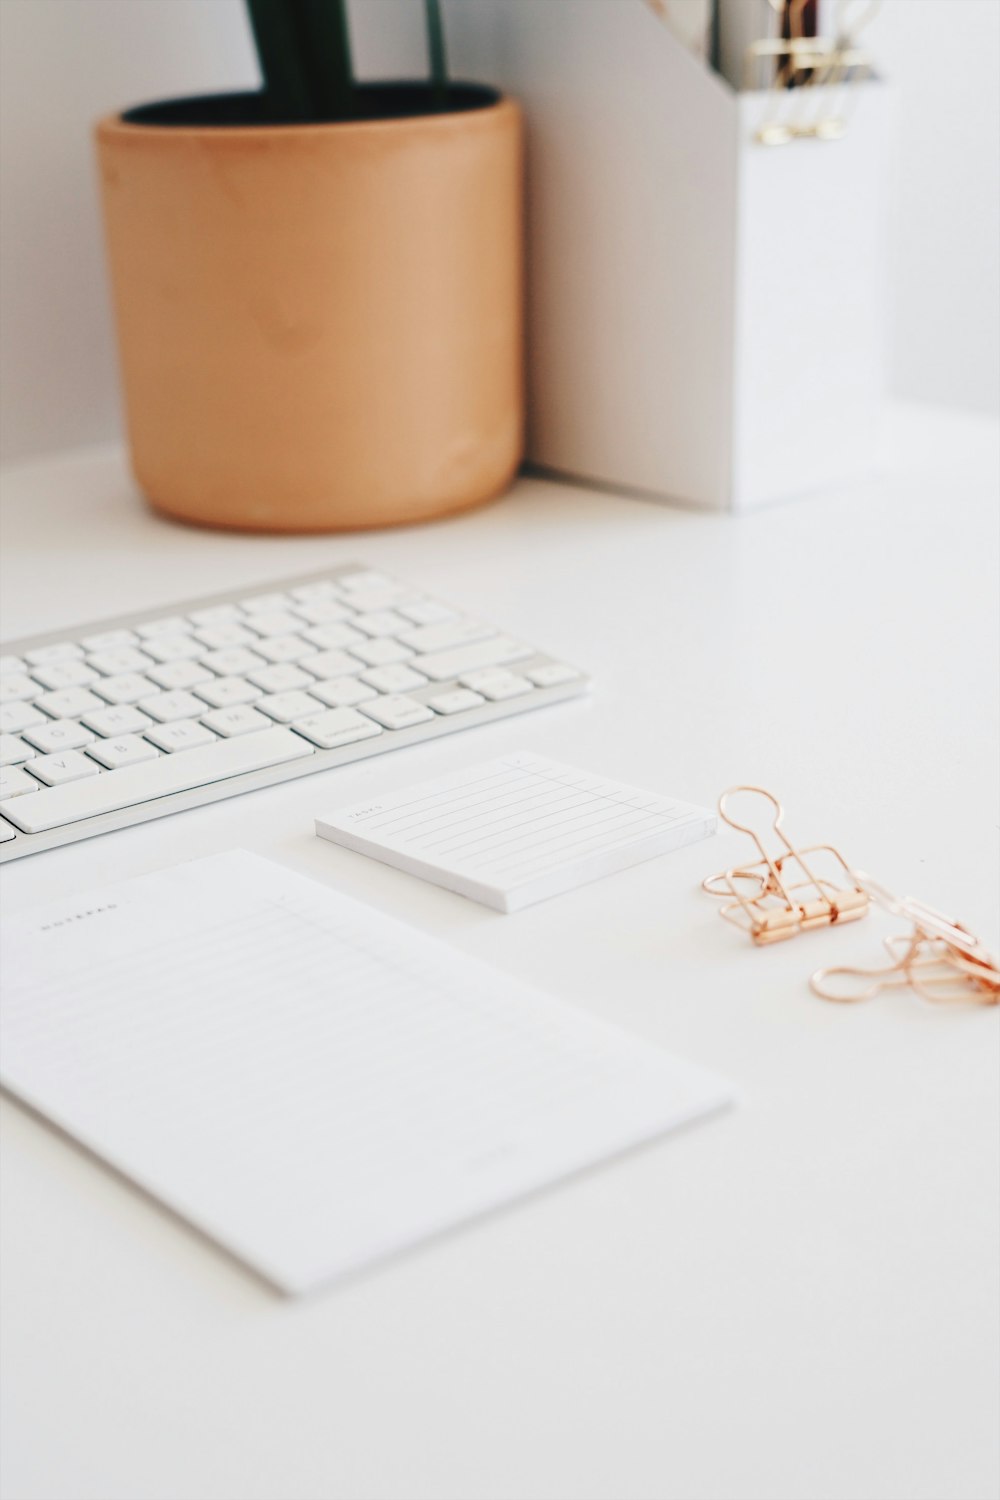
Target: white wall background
[944,327]
[64,62]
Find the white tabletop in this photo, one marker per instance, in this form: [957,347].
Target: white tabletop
[796,1301]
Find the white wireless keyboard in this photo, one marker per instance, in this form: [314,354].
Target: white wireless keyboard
[135,717]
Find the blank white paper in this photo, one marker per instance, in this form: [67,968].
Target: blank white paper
[310,1083]
[517,830]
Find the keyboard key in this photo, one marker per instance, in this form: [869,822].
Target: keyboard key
[426,612]
[10,664]
[283,677]
[224,637]
[338,726]
[228,692]
[323,612]
[381,622]
[60,651]
[123,750]
[165,707]
[52,807]
[216,614]
[287,707]
[551,674]
[343,692]
[6,832]
[14,750]
[110,723]
[278,648]
[444,637]
[496,651]
[384,596]
[241,720]
[274,622]
[109,640]
[15,687]
[497,685]
[57,735]
[236,662]
[397,712]
[173,647]
[14,717]
[127,689]
[182,734]
[332,637]
[15,782]
[455,702]
[54,770]
[399,678]
[63,674]
[327,664]
[169,625]
[382,652]
[179,674]
[70,703]
[118,660]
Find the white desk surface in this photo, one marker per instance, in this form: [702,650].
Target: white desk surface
[798,1301]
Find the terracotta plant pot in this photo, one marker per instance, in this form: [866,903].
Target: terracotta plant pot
[320,326]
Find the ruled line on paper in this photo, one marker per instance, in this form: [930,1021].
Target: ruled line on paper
[476,814]
[502,820]
[441,803]
[537,829]
[517,820]
[560,847]
[377,819]
[564,799]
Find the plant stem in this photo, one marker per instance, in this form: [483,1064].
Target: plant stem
[325,55]
[286,90]
[436,51]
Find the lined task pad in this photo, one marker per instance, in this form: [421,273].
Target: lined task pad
[313,1085]
[517,830]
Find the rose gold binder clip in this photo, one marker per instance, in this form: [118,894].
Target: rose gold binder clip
[939,958]
[788,891]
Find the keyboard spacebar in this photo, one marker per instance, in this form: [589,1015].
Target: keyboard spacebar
[35,812]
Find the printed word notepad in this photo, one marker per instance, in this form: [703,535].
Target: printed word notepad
[313,1085]
[517,830]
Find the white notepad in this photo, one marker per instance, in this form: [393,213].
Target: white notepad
[313,1085]
[517,830]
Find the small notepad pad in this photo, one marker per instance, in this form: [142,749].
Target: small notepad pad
[311,1083]
[517,830]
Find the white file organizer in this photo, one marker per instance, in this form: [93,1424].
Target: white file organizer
[704,312]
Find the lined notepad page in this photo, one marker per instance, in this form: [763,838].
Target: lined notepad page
[311,1084]
[517,830]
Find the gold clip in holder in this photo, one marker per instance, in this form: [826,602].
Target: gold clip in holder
[809,88]
[780,894]
[939,958]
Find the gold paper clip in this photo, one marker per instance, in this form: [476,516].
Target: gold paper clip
[939,958]
[772,899]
